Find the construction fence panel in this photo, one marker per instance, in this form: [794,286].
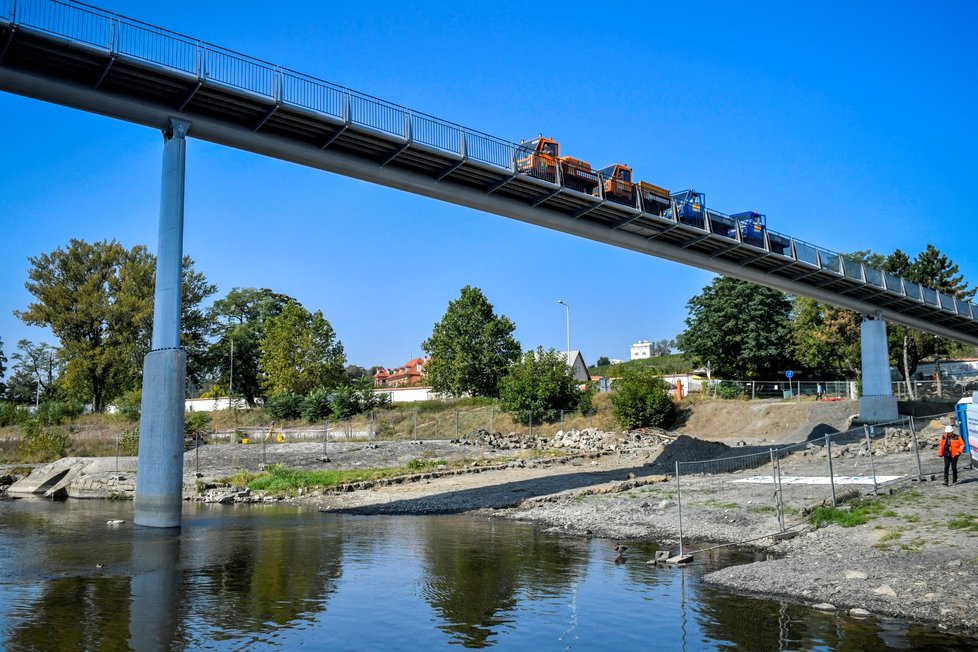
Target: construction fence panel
[776,488]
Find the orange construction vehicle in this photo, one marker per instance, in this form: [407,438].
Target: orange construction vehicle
[540,158]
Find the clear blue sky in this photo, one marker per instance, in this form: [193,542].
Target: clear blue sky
[851,125]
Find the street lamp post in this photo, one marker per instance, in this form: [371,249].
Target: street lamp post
[567,309]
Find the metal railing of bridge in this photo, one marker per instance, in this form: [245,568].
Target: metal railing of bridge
[125,37]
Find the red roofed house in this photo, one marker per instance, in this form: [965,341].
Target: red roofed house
[407,375]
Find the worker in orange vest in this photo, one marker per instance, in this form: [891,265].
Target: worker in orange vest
[950,449]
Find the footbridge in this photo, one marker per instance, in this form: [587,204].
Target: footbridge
[85,58]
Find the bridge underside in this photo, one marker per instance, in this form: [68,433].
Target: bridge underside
[465,171]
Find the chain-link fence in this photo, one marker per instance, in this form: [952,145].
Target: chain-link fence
[931,390]
[784,389]
[773,489]
[412,424]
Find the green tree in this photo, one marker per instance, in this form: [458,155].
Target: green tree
[640,399]
[97,299]
[826,338]
[300,352]
[743,330]
[471,347]
[603,361]
[39,364]
[539,385]
[238,322]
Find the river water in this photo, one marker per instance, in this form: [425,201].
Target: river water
[280,578]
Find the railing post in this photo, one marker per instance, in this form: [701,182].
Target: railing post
[112,31]
[414,425]
[491,415]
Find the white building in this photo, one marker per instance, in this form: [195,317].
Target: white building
[575,361]
[641,350]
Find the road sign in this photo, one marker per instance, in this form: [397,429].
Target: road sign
[789,374]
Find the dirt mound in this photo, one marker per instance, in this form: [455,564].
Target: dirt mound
[686,449]
[767,421]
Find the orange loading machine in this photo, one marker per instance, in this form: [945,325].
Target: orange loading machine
[540,158]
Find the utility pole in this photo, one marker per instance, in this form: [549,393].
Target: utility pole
[567,310]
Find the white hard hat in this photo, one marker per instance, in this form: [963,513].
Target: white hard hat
[948,429]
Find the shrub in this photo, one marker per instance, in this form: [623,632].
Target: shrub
[130,404]
[40,445]
[539,386]
[54,413]
[284,405]
[129,442]
[316,406]
[729,390]
[196,423]
[9,414]
[347,402]
[641,399]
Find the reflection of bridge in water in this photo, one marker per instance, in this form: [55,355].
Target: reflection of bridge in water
[89,59]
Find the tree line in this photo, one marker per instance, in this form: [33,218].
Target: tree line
[747,331]
[256,344]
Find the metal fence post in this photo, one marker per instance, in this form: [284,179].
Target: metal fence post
[780,494]
[456,423]
[414,424]
[869,451]
[492,414]
[371,431]
[531,423]
[325,440]
[561,419]
[828,450]
[777,490]
[916,448]
[679,503]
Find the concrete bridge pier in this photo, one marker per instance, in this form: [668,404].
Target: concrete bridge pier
[877,402]
[159,479]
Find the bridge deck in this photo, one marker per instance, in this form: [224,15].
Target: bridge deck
[84,58]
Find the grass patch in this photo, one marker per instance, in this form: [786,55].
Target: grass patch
[964,522]
[719,505]
[760,509]
[912,518]
[279,480]
[425,463]
[861,511]
[890,536]
[913,546]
